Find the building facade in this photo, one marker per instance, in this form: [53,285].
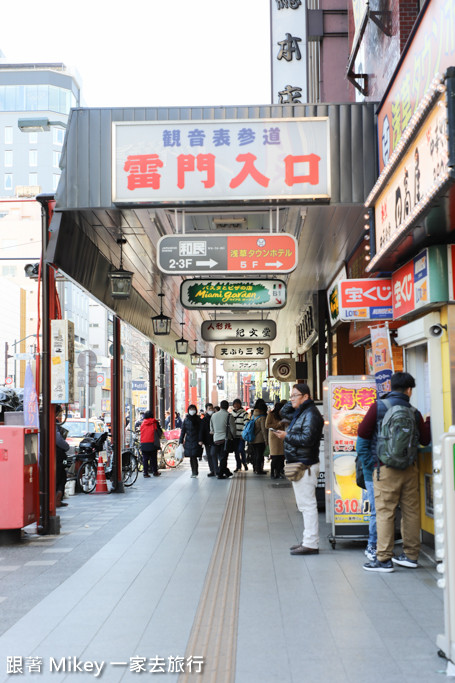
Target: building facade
[33,91]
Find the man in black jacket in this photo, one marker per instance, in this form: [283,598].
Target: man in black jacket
[301,444]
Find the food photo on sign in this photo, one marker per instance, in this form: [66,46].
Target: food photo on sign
[349,403]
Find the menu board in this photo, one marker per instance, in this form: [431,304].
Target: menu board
[348,403]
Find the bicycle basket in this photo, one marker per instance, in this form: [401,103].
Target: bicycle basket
[172,434]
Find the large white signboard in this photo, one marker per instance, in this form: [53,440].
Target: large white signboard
[289,51]
[421,170]
[223,160]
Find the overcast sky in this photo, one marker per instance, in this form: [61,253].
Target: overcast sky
[149,52]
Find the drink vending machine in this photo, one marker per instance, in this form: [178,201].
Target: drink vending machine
[19,479]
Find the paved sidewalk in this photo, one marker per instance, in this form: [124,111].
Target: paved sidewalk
[124,580]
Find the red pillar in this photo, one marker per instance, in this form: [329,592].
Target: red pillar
[172,388]
[187,387]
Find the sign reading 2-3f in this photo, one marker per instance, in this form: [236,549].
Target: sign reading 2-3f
[261,253]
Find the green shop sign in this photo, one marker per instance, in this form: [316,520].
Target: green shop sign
[232,294]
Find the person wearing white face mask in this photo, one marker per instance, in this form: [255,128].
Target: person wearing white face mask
[206,439]
[190,438]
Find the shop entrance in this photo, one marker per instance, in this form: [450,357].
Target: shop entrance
[416,363]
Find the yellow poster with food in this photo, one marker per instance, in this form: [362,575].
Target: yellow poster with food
[348,405]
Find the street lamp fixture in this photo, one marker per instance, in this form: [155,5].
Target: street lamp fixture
[161,323]
[38,125]
[120,279]
[181,345]
[195,357]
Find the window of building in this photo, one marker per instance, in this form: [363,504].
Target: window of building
[33,157]
[55,179]
[8,160]
[36,98]
[33,178]
[9,271]
[8,135]
[57,136]
[8,181]
[56,159]
[33,138]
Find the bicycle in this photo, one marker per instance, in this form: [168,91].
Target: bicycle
[166,454]
[132,441]
[168,457]
[88,450]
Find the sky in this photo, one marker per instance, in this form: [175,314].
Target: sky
[149,52]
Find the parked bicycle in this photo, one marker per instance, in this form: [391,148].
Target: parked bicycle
[166,454]
[169,446]
[86,462]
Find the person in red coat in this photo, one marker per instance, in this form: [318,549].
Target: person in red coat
[150,433]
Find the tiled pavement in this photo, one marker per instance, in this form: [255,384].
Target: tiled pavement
[125,576]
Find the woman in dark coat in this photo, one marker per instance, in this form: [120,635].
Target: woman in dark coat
[190,436]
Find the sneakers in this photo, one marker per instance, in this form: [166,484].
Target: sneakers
[370,552]
[193,476]
[404,561]
[377,566]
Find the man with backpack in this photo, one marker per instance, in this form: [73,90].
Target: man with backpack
[394,429]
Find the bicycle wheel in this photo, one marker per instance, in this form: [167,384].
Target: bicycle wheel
[138,456]
[130,471]
[87,477]
[169,454]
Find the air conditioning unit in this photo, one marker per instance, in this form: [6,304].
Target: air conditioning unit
[284,370]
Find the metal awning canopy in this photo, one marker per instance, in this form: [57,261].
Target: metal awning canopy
[87,224]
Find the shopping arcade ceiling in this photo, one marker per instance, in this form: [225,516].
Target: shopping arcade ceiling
[86,225]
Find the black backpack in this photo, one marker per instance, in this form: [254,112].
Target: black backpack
[398,437]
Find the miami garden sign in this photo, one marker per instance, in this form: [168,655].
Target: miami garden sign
[233,294]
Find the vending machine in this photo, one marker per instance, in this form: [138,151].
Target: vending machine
[347,399]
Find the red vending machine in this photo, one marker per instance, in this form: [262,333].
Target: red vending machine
[19,483]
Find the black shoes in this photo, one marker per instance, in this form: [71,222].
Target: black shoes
[211,474]
[146,476]
[157,474]
[303,550]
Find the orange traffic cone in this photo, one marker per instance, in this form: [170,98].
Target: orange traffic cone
[101,484]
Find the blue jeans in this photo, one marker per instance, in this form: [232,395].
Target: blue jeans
[239,452]
[372,531]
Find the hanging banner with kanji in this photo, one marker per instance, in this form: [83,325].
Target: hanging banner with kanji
[238,330]
[382,358]
[224,161]
[239,351]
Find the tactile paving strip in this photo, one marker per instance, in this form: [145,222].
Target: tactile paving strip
[214,632]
